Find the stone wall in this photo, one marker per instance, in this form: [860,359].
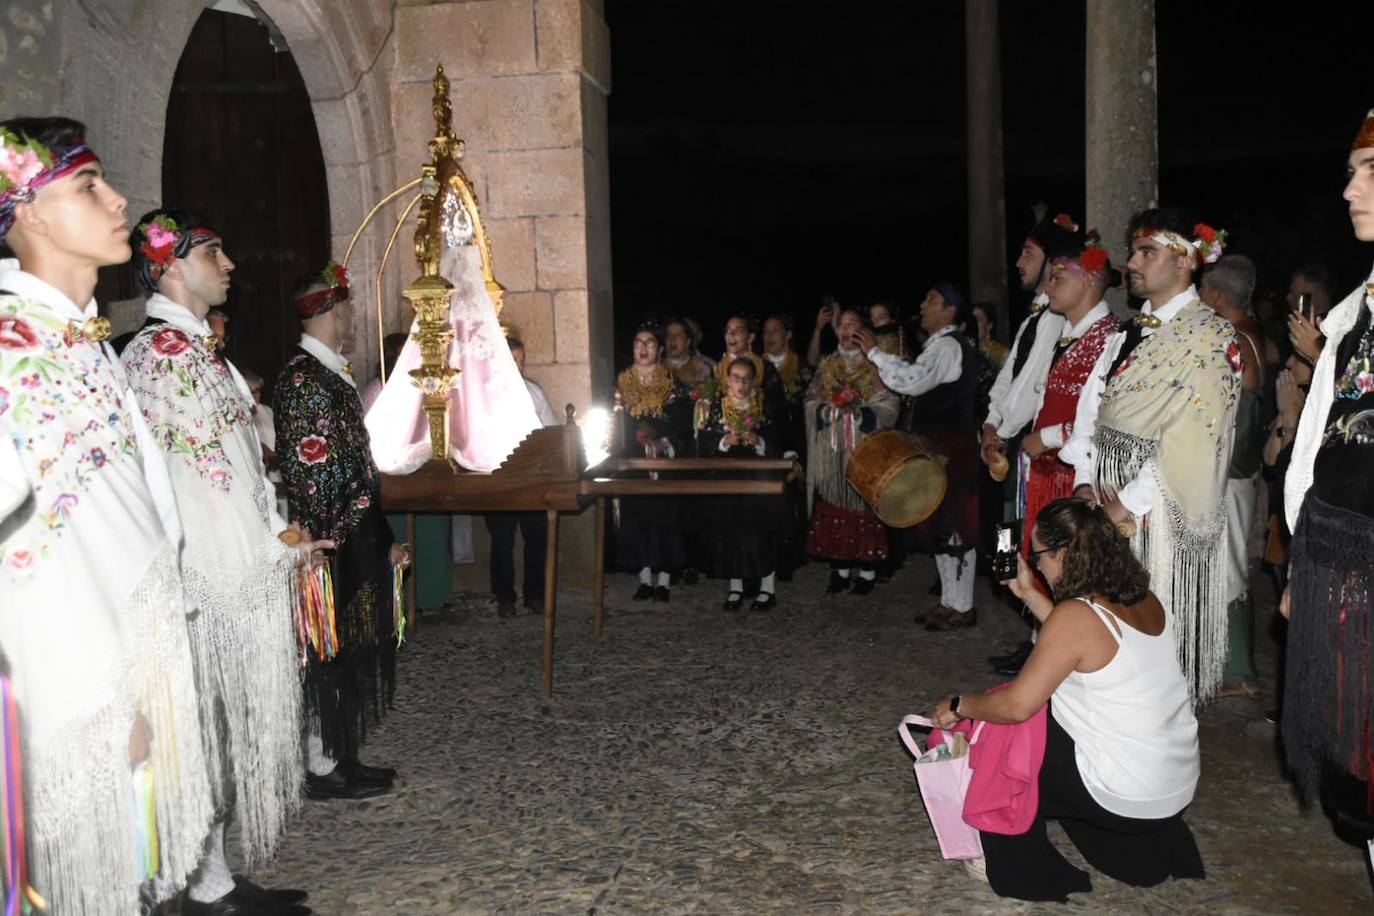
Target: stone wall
[529,85]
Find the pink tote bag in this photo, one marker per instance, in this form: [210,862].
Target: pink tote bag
[944,784]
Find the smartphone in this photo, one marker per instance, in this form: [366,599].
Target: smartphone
[1305,305]
[1004,560]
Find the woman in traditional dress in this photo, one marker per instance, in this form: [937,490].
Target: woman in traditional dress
[741,533]
[656,423]
[846,403]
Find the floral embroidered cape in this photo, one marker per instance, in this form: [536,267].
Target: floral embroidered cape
[236,570]
[334,489]
[92,618]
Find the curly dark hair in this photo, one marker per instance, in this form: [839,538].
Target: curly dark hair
[1098,558]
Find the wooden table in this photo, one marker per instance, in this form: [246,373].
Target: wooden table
[545,473]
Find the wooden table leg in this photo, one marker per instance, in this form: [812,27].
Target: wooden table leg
[550,587]
[412,589]
[599,572]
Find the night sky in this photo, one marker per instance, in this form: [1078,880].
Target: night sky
[763,156]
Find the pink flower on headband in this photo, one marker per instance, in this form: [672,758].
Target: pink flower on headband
[159,236]
[19,168]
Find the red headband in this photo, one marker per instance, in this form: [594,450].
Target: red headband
[319,302]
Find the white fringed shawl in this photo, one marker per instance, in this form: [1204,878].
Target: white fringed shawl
[1172,406]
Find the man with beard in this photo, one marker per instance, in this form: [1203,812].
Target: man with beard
[1153,430]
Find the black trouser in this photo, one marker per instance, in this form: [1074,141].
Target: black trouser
[534,530]
[1138,852]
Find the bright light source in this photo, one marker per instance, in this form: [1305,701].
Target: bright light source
[596,430]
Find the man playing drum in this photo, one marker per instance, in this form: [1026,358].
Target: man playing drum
[943,380]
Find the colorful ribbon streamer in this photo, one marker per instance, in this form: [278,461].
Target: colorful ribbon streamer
[20,897]
[145,822]
[398,604]
[313,611]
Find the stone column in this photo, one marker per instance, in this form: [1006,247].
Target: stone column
[1122,102]
[987,218]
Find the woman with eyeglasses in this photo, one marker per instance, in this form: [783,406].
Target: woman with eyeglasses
[1121,750]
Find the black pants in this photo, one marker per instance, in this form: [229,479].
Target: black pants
[1138,852]
[534,530]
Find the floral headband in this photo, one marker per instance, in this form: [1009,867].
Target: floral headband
[1206,246]
[1094,259]
[27,165]
[163,242]
[322,300]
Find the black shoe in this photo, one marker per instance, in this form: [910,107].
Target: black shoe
[661,594]
[766,601]
[356,769]
[1017,657]
[336,785]
[689,577]
[237,903]
[505,609]
[862,586]
[733,602]
[838,583]
[643,593]
[951,619]
[278,897]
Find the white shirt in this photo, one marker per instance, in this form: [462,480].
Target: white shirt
[1135,737]
[332,359]
[941,361]
[1013,399]
[541,404]
[1137,495]
[1053,436]
[1308,439]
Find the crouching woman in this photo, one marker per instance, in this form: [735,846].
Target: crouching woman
[1121,752]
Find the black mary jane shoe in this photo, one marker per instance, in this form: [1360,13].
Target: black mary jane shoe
[733,602]
[238,903]
[661,593]
[837,584]
[356,769]
[643,593]
[277,897]
[863,586]
[336,785]
[765,601]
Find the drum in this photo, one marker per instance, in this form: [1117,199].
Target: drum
[898,476]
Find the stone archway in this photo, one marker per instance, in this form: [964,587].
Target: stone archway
[120,57]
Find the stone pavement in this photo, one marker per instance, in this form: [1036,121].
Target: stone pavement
[696,762]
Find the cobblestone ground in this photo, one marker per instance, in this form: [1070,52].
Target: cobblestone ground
[696,762]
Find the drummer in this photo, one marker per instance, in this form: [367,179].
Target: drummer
[944,382]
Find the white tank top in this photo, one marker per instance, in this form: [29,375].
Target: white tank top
[1132,724]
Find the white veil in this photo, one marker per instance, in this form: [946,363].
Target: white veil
[491,410]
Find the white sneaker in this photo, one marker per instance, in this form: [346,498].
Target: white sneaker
[977,868]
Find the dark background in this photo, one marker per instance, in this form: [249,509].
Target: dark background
[763,155]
